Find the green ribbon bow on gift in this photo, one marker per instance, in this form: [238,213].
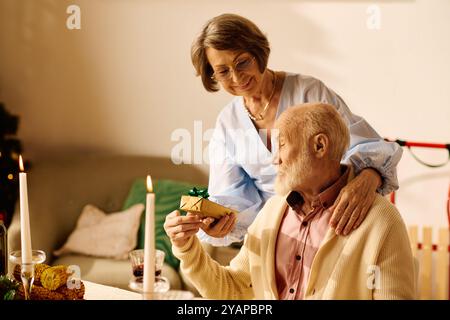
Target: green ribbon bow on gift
[202,193]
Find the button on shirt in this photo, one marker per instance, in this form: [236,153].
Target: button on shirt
[299,238]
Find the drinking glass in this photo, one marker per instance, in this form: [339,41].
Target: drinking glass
[27,270]
[137,265]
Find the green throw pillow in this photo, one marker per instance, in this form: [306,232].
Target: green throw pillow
[167,199]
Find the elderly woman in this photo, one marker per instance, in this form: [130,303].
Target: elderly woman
[231,52]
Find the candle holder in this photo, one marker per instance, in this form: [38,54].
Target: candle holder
[27,269]
[161,290]
[161,285]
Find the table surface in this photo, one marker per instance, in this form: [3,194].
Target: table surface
[95,291]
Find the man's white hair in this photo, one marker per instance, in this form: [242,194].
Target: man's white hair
[302,122]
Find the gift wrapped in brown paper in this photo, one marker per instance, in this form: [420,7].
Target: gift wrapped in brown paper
[197,202]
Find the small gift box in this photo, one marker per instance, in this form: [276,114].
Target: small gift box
[197,201]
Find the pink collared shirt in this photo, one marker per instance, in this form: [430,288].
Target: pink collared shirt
[299,238]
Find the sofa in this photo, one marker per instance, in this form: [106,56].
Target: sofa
[58,189]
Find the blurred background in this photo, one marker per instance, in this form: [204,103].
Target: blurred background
[123,82]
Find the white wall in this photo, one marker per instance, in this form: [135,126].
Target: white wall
[124,82]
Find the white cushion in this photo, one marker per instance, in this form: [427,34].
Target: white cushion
[99,234]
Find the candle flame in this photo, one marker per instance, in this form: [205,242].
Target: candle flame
[149,184]
[21,164]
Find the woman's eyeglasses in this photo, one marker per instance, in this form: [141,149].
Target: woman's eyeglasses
[242,65]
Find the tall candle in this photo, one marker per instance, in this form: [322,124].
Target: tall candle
[24,217]
[149,245]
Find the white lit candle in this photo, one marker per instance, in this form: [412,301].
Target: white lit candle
[24,217]
[149,246]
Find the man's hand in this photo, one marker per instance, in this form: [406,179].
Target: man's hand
[354,201]
[219,228]
[181,228]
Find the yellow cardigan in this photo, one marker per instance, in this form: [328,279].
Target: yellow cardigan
[344,266]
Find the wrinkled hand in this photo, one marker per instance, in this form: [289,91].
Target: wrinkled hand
[181,228]
[219,228]
[354,201]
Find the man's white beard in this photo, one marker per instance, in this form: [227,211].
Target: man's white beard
[281,188]
[288,179]
[293,175]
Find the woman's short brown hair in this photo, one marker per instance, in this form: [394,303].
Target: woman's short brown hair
[228,32]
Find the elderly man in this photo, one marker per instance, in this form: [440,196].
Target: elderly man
[290,252]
